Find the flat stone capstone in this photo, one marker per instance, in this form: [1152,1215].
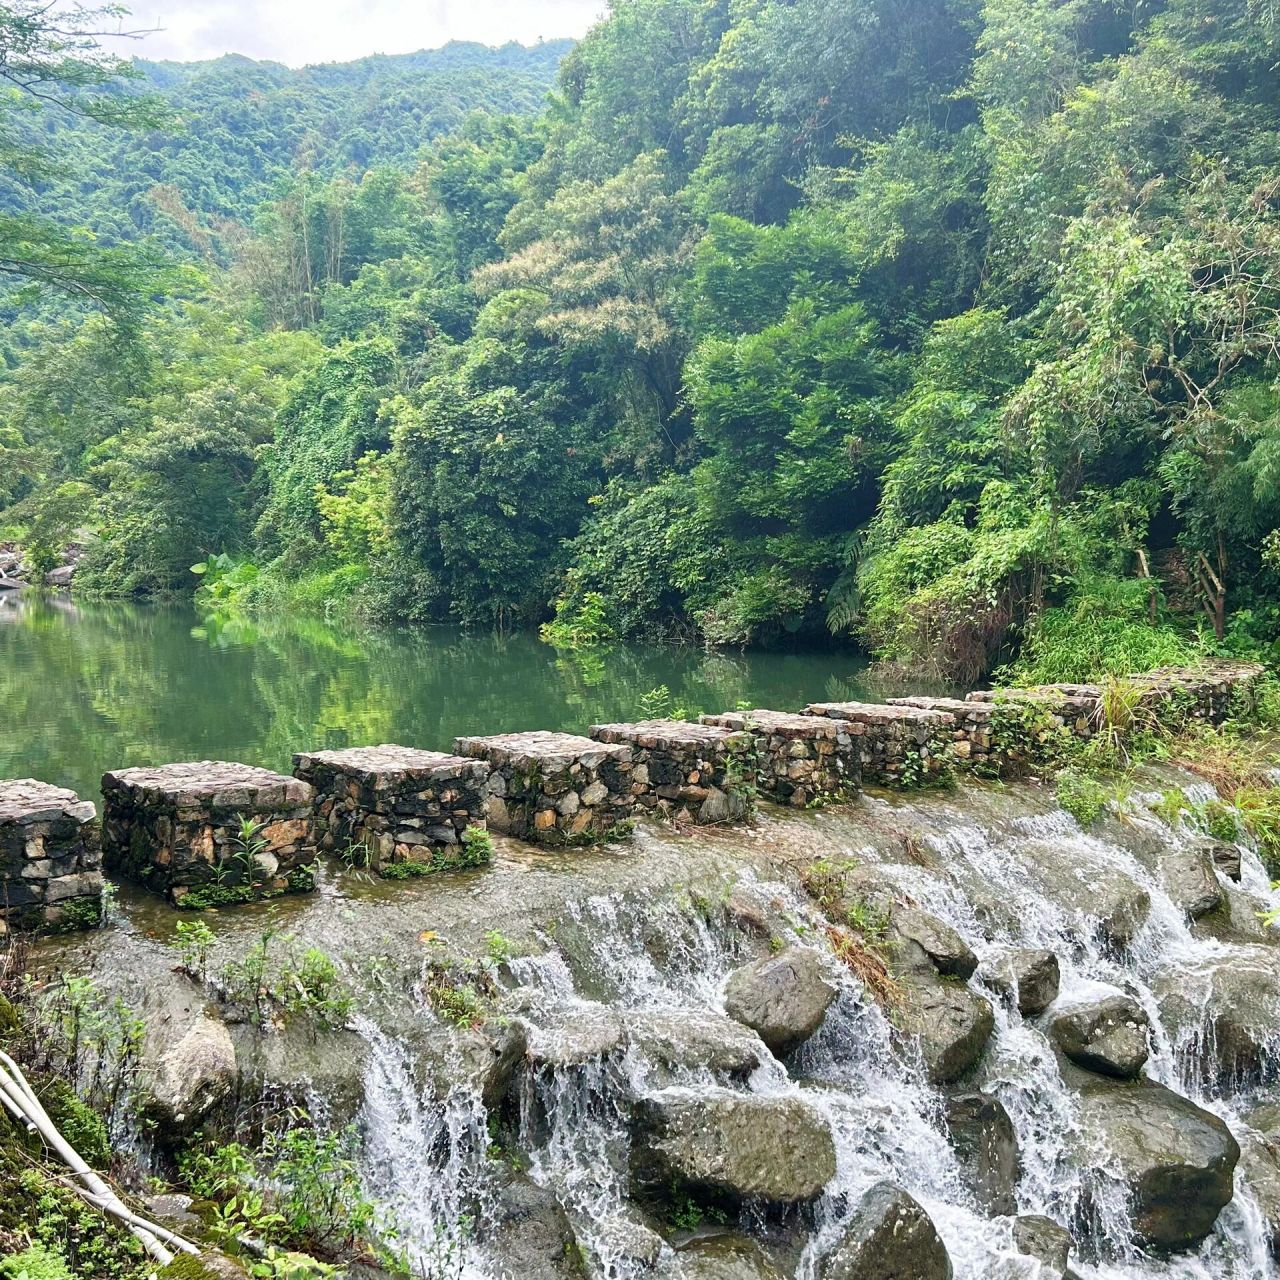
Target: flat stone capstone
[800,759]
[692,773]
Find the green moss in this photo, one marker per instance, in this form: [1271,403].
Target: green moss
[35,1263]
[78,1122]
[185,1267]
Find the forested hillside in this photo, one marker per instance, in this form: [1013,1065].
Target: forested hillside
[948,328]
[238,132]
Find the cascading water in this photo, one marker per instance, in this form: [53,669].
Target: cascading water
[589,1001]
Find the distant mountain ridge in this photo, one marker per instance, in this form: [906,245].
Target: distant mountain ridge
[246,126]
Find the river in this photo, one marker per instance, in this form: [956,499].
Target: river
[87,687]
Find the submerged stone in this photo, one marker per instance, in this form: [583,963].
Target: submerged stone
[1043,1239]
[987,1146]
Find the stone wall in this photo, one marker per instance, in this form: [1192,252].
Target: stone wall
[554,788]
[395,806]
[691,773]
[179,830]
[897,745]
[50,859]
[800,760]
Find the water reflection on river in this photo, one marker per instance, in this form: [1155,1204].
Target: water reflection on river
[88,687]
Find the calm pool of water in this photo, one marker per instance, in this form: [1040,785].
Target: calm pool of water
[90,687]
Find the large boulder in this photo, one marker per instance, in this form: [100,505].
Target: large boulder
[889,1237]
[1029,976]
[1105,900]
[951,1024]
[1232,1005]
[1109,1035]
[730,1146]
[1043,1239]
[783,998]
[987,1146]
[1174,1160]
[192,1075]
[946,949]
[528,1231]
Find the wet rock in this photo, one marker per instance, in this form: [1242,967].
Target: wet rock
[731,1146]
[947,950]
[488,1057]
[173,1211]
[1109,1036]
[61,576]
[951,1023]
[1188,875]
[1031,978]
[581,1037]
[1109,903]
[301,1063]
[1043,1239]
[889,1237]
[1223,855]
[1174,1161]
[192,1075]
[694,1041]
[1229,1007]
[1260,1171]
[987,1146]
[727,1257]
[530,1231]
[783,998]
[1237,920]
[634,1247]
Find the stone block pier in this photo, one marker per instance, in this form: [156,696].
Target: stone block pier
[554,788]
[231,832]
[395,806]
[50,860]
[216,833]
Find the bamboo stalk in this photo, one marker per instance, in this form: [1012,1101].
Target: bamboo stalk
[20,1100]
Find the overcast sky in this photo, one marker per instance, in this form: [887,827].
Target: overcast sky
[300,31]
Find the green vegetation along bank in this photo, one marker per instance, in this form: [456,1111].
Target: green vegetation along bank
[949,329]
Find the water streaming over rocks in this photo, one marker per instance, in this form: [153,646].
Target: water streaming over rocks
[608,1117]
[622,1010]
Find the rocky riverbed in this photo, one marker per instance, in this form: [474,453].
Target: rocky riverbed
[950,1035]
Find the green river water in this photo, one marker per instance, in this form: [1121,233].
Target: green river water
[86,687]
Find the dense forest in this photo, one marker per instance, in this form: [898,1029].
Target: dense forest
[947,328]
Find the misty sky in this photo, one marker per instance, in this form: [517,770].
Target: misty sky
[301,31]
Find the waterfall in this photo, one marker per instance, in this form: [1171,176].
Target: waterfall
[616,962]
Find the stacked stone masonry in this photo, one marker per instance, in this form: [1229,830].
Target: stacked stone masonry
[896,744]
[800,760]
[180,827]
[50,858]
[554,788]
[390,805]
[691,773]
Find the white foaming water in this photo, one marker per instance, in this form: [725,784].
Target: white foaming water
[424,1160]
[886,1120]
